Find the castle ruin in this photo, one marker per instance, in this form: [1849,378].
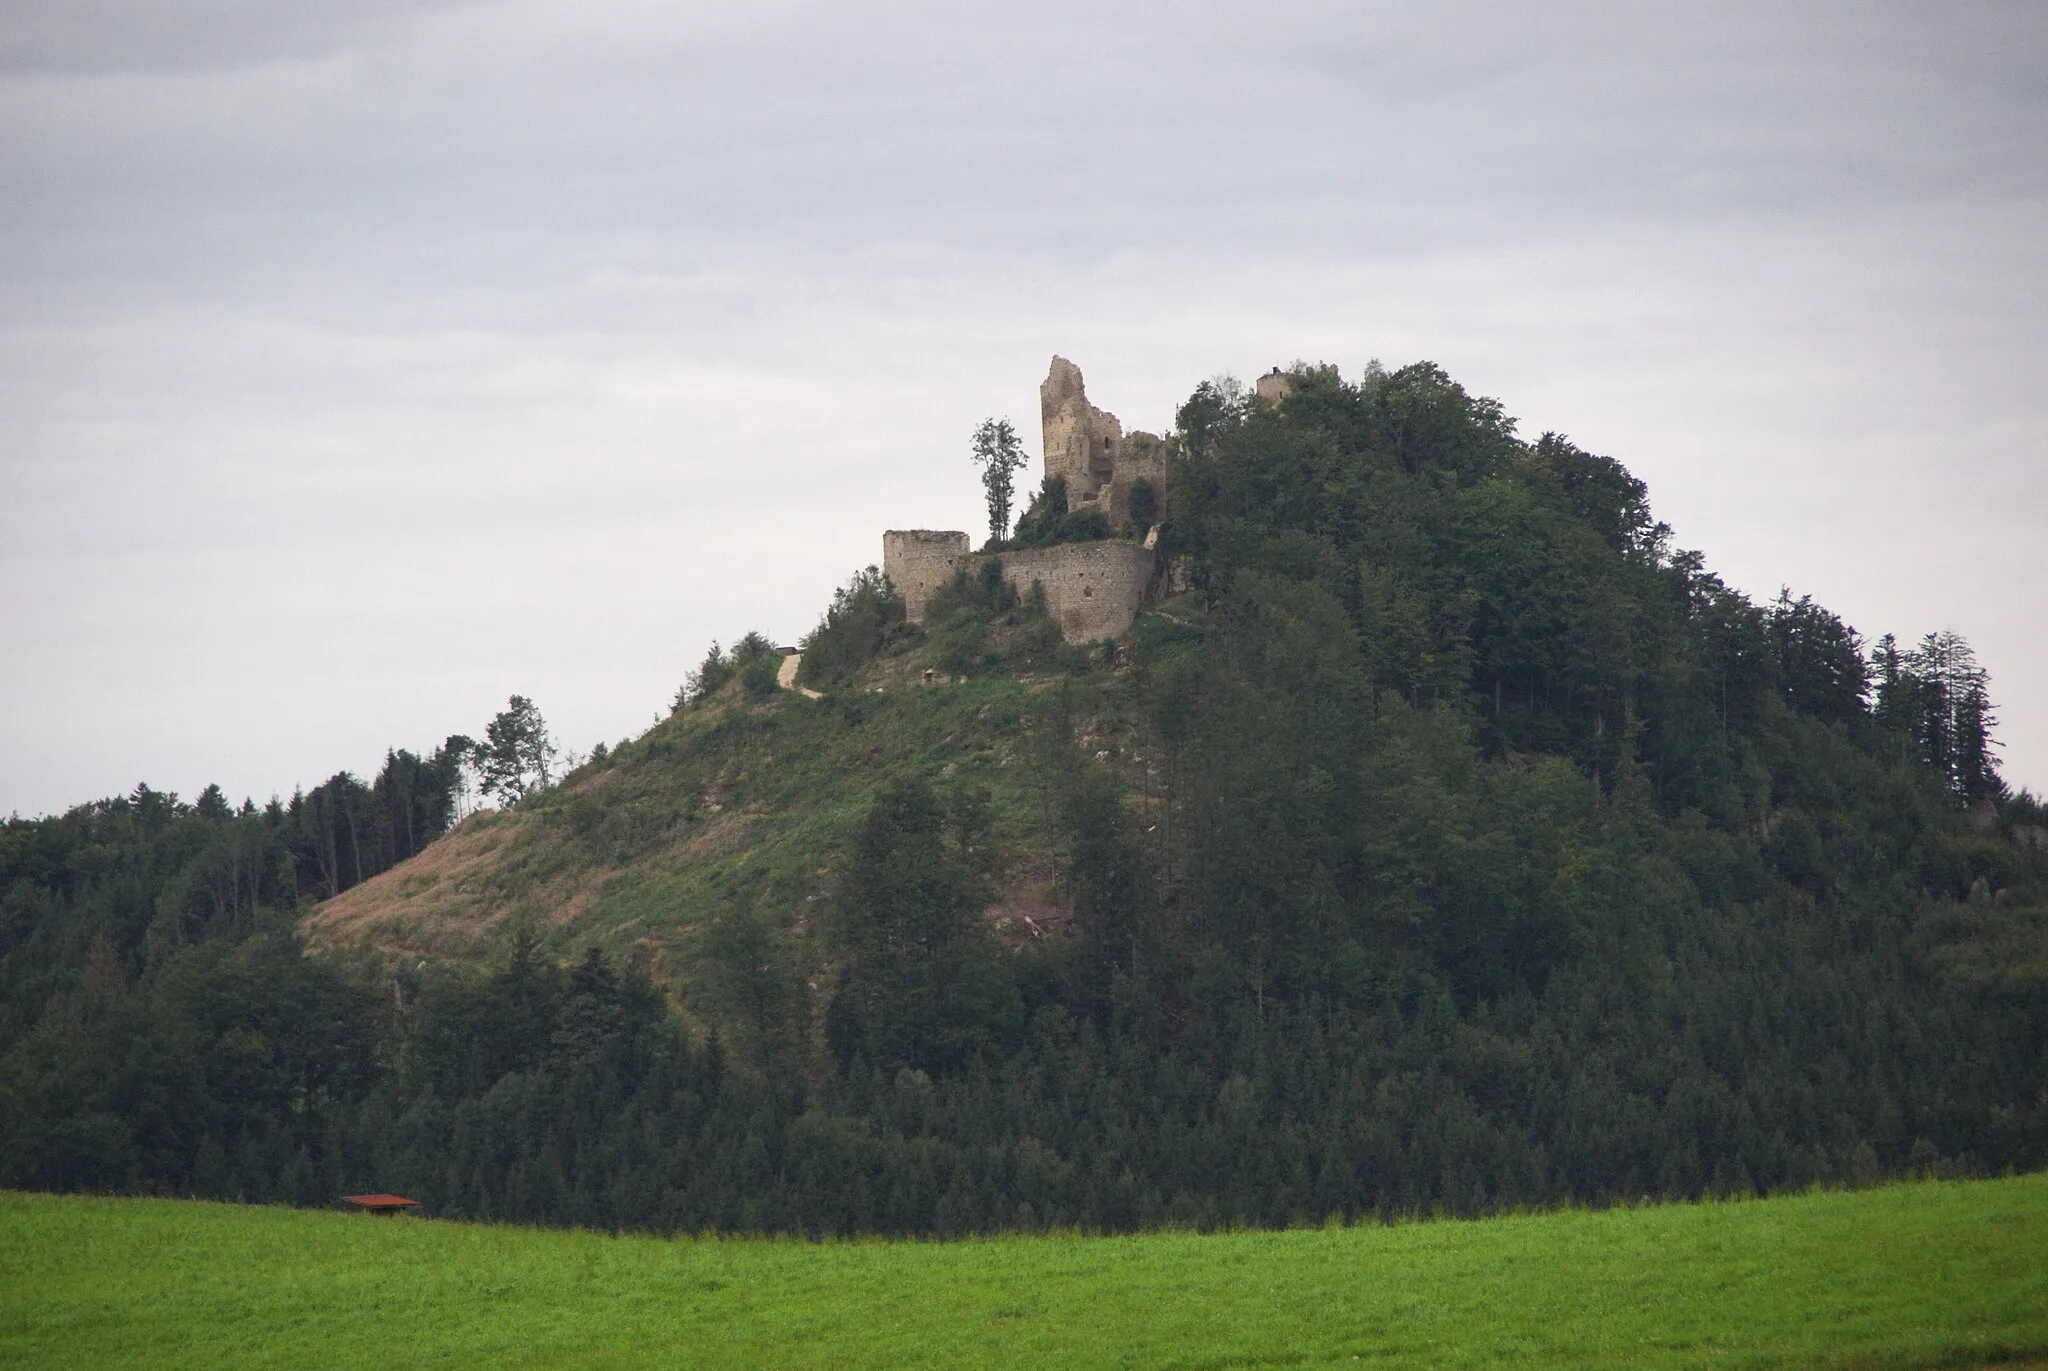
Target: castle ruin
[1275,386]
[920,560]
[1092,589]
[1087,446]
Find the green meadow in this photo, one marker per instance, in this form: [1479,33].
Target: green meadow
[1919,1274]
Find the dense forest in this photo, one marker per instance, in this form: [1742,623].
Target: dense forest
[1481,849]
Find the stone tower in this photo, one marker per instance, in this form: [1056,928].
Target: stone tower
[1088,446]
[1274,387]
[919,561]
[1081,441]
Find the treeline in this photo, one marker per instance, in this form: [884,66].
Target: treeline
[139,876]
[109,891]
[969,1090]
[1466,847]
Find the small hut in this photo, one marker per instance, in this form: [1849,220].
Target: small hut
[385,1205]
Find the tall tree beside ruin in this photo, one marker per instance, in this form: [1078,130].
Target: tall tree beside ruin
[1000,457]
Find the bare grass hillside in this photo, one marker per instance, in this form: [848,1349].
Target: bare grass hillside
[739,810]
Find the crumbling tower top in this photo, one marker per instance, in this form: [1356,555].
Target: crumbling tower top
[1088,447]
[1081,441]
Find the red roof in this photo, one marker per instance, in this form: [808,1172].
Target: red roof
[379,1201]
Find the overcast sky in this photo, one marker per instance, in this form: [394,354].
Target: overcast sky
[361,365]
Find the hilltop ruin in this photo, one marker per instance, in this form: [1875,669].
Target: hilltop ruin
[1092,589]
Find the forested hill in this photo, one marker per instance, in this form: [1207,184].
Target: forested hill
[1453,842]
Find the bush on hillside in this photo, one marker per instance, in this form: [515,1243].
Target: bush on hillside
[979,624]
[1049,521]
[752,660]
[1042,518]
[859,620]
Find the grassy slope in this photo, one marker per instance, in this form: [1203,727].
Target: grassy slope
[738,805]
[1948,1273]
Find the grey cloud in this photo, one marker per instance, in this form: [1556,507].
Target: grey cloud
[470,345]
[1088,130]
[105,36]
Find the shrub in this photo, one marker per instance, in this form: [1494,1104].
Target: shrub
[759,677]
[1041,522]
[959,642]
[1050,521]
[758,663]
[711,673]
[1083,526]
[1144,505]
[753,660]
[856,623]
[985,590]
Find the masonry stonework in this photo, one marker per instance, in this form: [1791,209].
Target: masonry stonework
[1274,387]
[1092,590]
[918,561]
[1088,446]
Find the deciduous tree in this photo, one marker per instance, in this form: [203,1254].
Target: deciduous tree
[1000,457]
[516,756]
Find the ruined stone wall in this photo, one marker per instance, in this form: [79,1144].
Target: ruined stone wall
[1143,459]
[1082,443]
[918,561]
[1092,590]
[1089,447]
[1274,387]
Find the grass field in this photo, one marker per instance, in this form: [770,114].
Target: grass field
[1922,1274]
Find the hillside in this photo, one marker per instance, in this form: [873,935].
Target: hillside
[741,811]
[1447,840]
[1909,1276]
